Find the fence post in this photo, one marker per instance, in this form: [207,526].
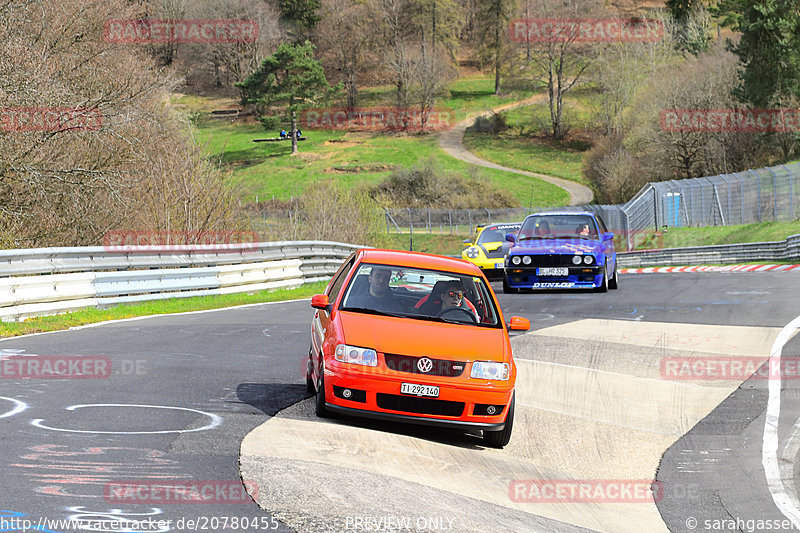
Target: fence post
[792,177]
[429,220]
[774,195]
[450,217]
[469,220]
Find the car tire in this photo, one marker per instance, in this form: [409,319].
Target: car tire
[309,377]
[613,283]
[319,406]
[498,439]
[508,289]
[604,284]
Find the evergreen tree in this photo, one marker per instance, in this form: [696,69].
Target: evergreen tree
[291,78]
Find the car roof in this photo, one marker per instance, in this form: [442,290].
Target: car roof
[418,260]
[591,214]
[502,225]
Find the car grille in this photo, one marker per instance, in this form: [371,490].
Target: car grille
[441,367]
[546,260]
[422,406]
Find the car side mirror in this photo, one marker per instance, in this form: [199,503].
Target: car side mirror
[608,236]
[519,323]
[466,242]
[320,301]
[510,237]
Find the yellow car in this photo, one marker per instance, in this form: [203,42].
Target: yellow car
[490,248]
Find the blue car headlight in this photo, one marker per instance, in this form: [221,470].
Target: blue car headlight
[588,259]
[355,355]
[489,370]
[515,260]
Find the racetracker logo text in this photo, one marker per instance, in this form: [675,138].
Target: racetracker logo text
[719,368]
[730,120]
[152,31]
[556,30]
[50,119]
[153,241]
[180,492]
[585,491]
[55,367]
[377,119]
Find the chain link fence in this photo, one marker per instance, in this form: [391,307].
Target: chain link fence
[766,194]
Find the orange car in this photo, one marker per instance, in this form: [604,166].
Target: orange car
[417,338]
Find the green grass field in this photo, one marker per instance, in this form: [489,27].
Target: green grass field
[524,146]
[266,170]
[765,231]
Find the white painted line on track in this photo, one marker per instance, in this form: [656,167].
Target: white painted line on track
[784,499]
[215,420]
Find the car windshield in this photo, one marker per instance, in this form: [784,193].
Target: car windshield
[421,294]
[497,233]
[558,227]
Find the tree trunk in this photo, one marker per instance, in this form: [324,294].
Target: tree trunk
[497,48]
[294,132]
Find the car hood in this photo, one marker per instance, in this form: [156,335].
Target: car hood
[404,336]
[558,246]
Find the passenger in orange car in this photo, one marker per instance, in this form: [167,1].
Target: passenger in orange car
[378,295]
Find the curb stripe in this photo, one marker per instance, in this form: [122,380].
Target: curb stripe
[706,268]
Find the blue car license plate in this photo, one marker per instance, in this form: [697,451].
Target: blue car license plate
[552,271]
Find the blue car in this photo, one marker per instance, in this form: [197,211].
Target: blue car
[555,250]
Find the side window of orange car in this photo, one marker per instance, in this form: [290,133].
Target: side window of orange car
[339,281]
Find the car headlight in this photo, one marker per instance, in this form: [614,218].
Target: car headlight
[576,259]
[489,370]
[515,260]
[526,259]
[355,355]
[473,252]
[588,259]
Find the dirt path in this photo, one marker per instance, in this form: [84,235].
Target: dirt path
[452,142]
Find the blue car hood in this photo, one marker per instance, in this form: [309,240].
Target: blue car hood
[557,246]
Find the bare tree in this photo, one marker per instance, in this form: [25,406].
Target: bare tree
[561,62]
[69,181]
[347,33]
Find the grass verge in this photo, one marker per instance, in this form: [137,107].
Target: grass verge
[174,305]
[765,231]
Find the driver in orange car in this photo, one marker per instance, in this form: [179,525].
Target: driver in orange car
[445,295]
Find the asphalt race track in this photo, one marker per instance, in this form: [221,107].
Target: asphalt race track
[633,396]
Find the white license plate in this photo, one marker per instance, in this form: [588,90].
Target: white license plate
[552,272]
[498,265]
[419,390]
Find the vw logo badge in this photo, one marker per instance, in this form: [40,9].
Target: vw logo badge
[424,365]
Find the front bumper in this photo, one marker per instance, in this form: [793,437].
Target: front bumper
[492,267]
[376,394]
[581,277]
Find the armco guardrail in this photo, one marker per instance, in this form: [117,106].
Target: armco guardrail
[44,281]
[777,251]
